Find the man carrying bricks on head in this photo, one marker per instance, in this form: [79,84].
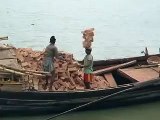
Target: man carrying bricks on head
[88,68]
[88,59]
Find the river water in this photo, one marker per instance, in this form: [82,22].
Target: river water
[123,28]
[148,111]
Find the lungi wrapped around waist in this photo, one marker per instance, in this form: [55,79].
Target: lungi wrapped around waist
[48,64]
[88,77]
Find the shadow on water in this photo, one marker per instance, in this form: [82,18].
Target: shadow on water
[149,111]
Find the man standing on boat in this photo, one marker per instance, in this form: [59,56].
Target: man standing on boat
[88,68]
[50,53]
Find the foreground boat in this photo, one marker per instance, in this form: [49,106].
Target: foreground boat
[122,74]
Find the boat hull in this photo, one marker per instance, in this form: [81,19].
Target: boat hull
[37,102]
[55,102]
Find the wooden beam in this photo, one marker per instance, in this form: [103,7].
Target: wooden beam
[146,66]
[122,60]
[112,68]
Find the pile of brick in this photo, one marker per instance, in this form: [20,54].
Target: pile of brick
[30,59]
[68,75]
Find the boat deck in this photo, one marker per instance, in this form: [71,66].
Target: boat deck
[139,75]
[110,79]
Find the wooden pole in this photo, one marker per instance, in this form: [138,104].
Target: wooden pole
[11,71]
[4,38]
[112,68]
[18,71]
[24,71]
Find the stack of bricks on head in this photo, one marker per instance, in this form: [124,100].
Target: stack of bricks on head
[88,37]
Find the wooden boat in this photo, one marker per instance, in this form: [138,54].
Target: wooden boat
[121,74]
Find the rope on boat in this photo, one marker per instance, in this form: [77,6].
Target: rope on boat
[95,101]
[136,86]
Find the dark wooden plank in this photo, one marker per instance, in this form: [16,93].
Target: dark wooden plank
[122,60]
[109,77]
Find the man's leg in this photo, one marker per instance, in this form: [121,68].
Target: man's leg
[52,79]
[47,77]
[87,85]
[46,83]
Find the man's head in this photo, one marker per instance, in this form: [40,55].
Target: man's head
[52,39]
[88,51]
